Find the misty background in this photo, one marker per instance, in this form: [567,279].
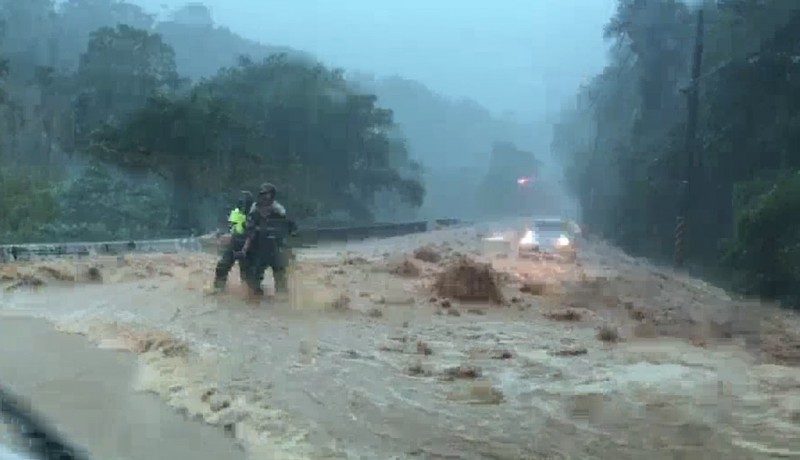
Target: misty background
[131,120]
[459,76]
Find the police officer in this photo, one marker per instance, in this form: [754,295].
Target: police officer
[267,225]
[237,221]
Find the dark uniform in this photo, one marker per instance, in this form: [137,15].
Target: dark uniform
[237,220]
[267,227]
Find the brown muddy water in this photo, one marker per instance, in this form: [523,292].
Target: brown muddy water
[388,373]
[87,395]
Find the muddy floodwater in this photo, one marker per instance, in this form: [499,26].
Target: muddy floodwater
[87,395]
[605,358]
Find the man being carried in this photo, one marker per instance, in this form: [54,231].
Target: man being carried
[237,220]
[266,228]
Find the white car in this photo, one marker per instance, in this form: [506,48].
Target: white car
[552,237]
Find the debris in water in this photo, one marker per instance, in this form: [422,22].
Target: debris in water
[423,348]
[570,351]
[608,333]
[406,268]
[375,313]
[505,354]
[467,280]
[462,372]
[341,303]
[94,274]
[533,287]
[569,314]
[427,254]
[417,370]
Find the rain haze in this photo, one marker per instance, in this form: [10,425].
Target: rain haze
[407,229]
[516,56]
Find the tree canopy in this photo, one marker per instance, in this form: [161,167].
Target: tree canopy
[115,95]
[623,142]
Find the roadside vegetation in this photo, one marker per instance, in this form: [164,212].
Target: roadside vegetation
[624,147]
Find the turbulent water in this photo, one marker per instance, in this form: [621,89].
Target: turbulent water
[389,374]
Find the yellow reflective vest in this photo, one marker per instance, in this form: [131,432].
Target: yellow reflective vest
[237,220]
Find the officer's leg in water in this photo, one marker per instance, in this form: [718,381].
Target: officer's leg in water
[224,265]
[278,265]
[239,245]
[256,265]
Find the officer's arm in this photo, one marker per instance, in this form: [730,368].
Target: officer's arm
[249,231]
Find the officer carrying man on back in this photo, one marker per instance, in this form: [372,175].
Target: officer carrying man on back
[266,228]
[237,221]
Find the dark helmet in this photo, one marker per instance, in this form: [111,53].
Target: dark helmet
[267,189]
[245,200]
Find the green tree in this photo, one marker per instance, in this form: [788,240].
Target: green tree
[121,68]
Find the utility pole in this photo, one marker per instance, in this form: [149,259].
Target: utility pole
[690,147]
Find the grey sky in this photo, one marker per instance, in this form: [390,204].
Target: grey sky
[523,56]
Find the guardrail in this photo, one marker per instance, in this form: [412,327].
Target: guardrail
[306,237]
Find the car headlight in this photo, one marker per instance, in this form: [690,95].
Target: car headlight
[562,241]
[527,239]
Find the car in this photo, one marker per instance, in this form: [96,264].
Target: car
[549,238]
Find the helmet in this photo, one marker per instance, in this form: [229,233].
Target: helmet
[267,189]
[246,200]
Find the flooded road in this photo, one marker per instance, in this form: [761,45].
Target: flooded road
[366,361]
[87,395]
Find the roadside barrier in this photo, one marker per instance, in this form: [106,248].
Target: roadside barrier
[306,237]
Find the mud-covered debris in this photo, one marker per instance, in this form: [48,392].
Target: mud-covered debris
[504,354]
[340,303]
[698,342]
[570,350]
[423,348]
[94,274]
[56,273]
[399,300]
[637,315]
[445,304]
[453,312]
[467,280]
[218,403]
[8,273]
[355,260]
[462,372]
[567,314]
[476,311]
[25,280]
[375,313]
[206,396]
[483,392]
[608,333]
[406,268]
[417,370]
[156,341]
[427,254]
[533,287]
[379,299]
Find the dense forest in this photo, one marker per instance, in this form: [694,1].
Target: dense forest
[629,154]
[115,125]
